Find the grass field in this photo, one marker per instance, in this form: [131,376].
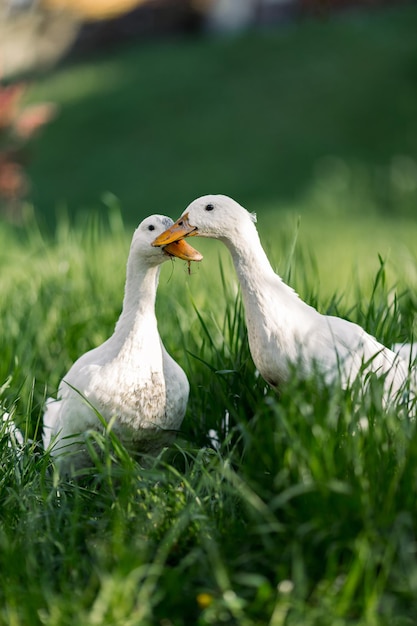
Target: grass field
[306,513]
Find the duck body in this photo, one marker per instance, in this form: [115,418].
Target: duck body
[130,380]
[147,397]
[284,331]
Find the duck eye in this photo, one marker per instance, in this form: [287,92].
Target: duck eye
[209,207]
[151,227]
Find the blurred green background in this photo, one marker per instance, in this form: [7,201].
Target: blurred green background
[313,117]
[266,117]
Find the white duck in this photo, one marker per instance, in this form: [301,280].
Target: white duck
[283,330]
[129,379]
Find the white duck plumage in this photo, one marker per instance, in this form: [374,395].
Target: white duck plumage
[407,351]
[130,378]
[283,330]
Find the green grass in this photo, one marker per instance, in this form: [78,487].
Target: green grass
[305,515]
[307,512]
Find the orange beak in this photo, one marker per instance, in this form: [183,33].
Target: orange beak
[182,250]
[179,229]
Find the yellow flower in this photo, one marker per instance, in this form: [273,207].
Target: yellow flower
[204,600]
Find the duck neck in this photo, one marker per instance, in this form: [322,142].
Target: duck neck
[139,300]
[252,266]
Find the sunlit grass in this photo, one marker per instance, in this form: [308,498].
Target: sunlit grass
[297,509]
[302,513]
[340,252]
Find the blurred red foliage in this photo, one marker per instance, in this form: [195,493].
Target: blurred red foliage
[18,124]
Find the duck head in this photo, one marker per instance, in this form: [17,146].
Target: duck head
[216,216]
[155,225]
